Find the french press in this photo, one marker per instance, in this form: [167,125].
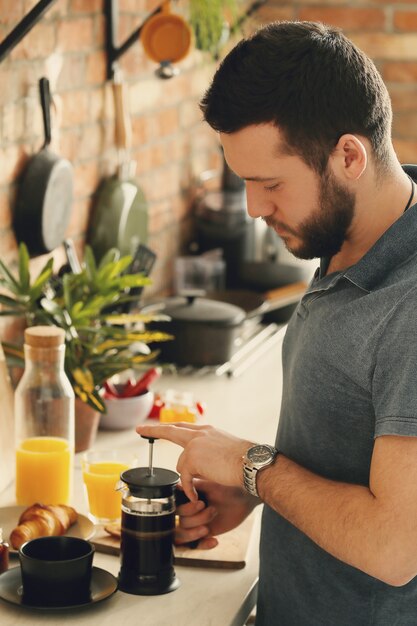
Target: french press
[148,525]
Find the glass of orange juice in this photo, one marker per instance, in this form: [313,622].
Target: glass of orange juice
[43,471]
[101,473]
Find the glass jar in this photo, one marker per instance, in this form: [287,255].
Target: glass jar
[4,554]
[44,413]
[178,406]
[6,425]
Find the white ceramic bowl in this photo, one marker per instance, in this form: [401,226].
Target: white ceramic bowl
[124,413]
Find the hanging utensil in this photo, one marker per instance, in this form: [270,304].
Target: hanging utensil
[44,198]
[120,218]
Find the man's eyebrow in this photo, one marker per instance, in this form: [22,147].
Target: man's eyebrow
[261,179]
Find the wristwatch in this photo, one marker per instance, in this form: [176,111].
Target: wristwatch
[256,459]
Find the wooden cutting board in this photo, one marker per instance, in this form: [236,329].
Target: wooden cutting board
[231,553]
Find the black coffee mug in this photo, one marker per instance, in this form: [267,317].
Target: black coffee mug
[56,571]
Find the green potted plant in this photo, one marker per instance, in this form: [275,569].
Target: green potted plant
[207,19]
[99,343]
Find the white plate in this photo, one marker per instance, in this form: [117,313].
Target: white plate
[9,519]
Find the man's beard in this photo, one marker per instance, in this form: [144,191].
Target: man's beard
[322,234]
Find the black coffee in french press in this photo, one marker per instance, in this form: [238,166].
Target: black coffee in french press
[148,525]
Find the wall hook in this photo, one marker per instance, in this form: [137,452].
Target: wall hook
[114,52]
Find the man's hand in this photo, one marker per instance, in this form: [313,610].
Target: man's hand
[208,453]
[227,508]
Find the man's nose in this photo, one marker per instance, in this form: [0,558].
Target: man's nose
[257,204]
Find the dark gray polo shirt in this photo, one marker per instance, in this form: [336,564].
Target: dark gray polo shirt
[350,375]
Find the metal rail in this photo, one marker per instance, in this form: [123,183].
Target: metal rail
[24,26]
[114,52]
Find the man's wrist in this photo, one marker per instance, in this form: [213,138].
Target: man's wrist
[256,460]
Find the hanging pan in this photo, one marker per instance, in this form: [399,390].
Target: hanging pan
[120,217]
[166,38]
[44,198]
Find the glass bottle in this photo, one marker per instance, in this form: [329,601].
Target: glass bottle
[4,554]
[6,425]
[179,407]
[44,413]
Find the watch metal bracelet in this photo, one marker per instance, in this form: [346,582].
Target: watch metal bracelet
[249,480]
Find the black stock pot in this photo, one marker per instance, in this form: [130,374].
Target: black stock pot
[204,330]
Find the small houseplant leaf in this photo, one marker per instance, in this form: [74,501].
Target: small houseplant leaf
[24,275]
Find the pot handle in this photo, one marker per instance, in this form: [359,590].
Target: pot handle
[45,96]
[191,294]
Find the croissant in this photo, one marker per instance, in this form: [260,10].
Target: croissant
[41,520]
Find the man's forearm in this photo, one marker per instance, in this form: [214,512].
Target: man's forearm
[346,520]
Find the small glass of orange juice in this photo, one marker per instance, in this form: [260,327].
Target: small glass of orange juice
[101,473]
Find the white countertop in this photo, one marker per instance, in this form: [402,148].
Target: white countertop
[247,406]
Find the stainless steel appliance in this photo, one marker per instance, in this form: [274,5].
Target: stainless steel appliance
[251,250]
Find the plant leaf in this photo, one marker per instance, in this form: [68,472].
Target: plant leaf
[24,275]
[12,302]
[12,350]
[116,268]
[6,312]
[10,280]
[84,378]
[133,280]
[39,282]
[109,258]
[90,264]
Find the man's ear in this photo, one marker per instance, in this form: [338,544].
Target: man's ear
[349,157]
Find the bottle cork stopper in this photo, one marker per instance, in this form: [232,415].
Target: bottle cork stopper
[44,336]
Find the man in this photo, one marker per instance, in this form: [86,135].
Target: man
[305,119]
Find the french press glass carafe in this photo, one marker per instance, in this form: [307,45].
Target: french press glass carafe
[148,524]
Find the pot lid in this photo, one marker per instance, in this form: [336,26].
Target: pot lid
[143,485]
[205,311]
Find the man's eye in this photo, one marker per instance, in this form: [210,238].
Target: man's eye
[272,187]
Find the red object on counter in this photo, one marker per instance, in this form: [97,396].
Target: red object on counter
[110,389]
[142,384]
[132,388]
[156,408]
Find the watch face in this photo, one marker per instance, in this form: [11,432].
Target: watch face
[260,454]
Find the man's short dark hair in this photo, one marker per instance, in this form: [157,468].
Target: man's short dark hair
[310,81]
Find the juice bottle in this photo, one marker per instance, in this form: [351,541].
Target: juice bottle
[44,413]
[178,407]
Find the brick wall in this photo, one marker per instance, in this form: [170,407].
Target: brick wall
[387,31]
[170,144]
